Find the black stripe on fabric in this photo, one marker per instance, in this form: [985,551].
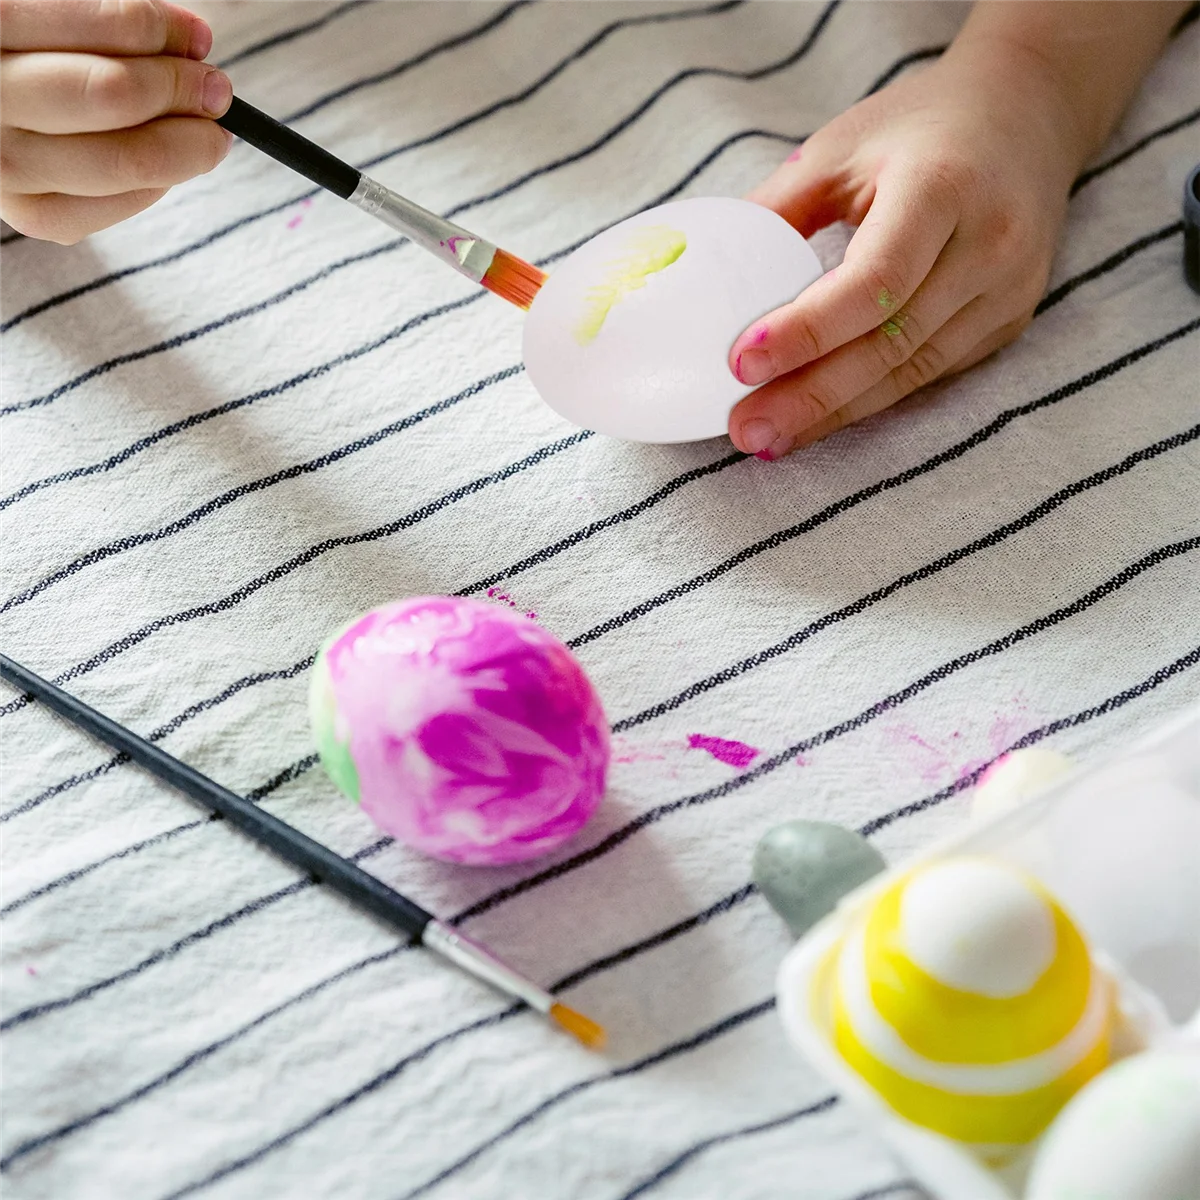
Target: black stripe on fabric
[190,335]
[1080,718]
[890,1189]
[596,967]
[674,1050]
[389,73]
[131,541]
[198,935]
[1064,289]
[1113,703]
[1163,131]
[306,556]
[156,735]
[992,538]
[696,1149]
[888,704]
[80,872]
[930,464]
[132,639]
[167,952]
[598,526]
[194,1059]
[290,34]
[490,110]
[276,389]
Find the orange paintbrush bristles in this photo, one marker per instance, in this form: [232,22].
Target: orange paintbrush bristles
[584,1028]
[513,279]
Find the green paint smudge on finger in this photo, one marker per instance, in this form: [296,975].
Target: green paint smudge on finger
[885,299]
[649,251]
[893,325]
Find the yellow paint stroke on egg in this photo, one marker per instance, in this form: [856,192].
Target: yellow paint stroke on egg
[648,251]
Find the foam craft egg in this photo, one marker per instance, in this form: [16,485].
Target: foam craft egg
[630,336]
[966,997]
[464,730]
[1015,777]
[1132,1134]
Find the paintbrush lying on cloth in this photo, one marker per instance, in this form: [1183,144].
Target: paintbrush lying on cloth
[319,861]
[510,277]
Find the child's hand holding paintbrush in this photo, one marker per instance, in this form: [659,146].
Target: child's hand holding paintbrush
[104,107]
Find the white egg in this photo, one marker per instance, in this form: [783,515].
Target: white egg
[1016,777]
[630,336]
[1133,1133]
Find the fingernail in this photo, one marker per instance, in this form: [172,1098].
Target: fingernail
[201,42]
[218,92]
[779,448]
[758,435]
[754,366]
[228,141]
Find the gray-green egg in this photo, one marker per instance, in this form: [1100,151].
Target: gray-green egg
[803,868]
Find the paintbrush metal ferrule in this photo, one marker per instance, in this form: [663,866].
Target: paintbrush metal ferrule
[479,961]
[464,251]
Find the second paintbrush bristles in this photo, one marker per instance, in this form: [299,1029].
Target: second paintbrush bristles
[511,278]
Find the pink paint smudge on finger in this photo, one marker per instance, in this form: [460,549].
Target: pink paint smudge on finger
[795,154]
[735,754]
[304,206]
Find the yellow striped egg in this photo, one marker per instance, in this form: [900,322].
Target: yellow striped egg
[968,1000]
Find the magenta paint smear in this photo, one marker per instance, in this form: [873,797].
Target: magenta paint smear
[304,206]
[795,154]
[30,970]
[935,758]
[735,754]
[505,598]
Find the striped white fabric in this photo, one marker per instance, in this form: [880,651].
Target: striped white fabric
[241,418]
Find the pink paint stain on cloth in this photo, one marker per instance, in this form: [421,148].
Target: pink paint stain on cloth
[735,754]
[505,598]
[474,734]
[934,758]
[304,206]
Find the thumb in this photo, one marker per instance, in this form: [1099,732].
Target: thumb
[812,188]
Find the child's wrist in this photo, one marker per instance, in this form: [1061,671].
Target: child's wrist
[1025,88]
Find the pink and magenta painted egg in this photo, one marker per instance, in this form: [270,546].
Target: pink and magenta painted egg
[464,730]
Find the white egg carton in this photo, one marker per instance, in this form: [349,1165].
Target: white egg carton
[1119,846]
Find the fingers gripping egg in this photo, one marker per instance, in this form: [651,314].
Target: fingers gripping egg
[630,335]
[968,1000]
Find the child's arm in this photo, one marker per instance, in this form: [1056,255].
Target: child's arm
[958,178]
[103,106]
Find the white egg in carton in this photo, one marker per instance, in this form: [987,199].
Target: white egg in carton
[1118,845]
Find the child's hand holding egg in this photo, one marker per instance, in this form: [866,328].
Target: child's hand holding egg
[631,335]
